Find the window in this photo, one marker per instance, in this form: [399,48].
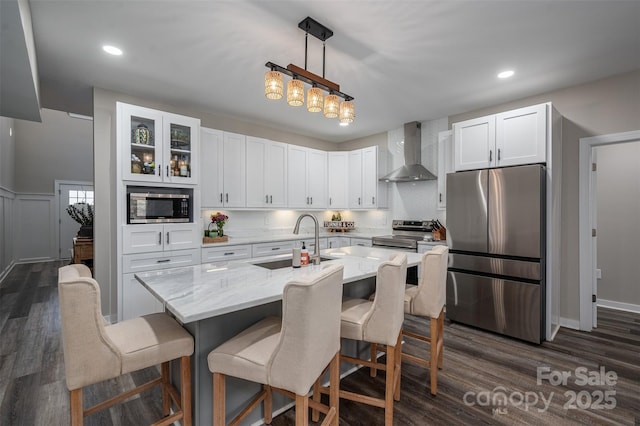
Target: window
[80,197]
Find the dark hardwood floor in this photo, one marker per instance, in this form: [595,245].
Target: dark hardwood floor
[478,367]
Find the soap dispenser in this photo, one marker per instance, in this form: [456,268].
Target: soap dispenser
[304,255]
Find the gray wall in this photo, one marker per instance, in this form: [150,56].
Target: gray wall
[7,153]
[60,147]
[618,204]
[601,107]
[104,134]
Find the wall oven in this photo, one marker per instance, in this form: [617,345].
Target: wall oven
[159,206]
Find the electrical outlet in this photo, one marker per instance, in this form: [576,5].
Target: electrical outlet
[599,274]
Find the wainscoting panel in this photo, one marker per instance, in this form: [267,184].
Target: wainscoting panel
[35,241]
[7,237]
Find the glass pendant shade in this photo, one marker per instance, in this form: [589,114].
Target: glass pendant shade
[273,85]
[314,99]
[295,93]
[347,113]
[331,106]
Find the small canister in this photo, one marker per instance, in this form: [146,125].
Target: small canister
[296,257]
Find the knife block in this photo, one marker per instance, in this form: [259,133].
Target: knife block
[440,234]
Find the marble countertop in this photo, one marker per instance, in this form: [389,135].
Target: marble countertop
[269,238]
[198,292]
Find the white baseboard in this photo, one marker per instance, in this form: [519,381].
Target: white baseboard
[621,306]
[570,323]
[6,271]
[35,260]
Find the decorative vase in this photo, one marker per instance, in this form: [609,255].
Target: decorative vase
[220,232]
[142,135]
[86,231]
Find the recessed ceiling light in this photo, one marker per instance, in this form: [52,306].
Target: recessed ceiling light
[112,50]
[344,124]
[506,74]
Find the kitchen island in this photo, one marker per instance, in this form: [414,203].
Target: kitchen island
[216,301]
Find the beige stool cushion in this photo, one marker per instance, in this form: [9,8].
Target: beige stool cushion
[247,355]
[149,340]
[289,353]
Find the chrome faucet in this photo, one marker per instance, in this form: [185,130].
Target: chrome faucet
[315,257]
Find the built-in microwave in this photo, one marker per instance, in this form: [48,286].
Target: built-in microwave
[157,207]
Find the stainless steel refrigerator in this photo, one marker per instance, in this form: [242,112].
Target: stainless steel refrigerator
[496,235]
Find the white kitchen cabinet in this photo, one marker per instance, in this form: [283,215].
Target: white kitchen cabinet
[364,242]
[307,178]
[223,169]
[510,138]
[355,179]
[211,164]
[266,168]
[337,180]
[217,254]
[337,242]
[521,136]
[364,189]
[157,146]
[474,143]
[445,165]
[149,238]
[134,299]
[268,249]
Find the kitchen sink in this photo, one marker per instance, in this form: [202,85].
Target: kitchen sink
[282,263]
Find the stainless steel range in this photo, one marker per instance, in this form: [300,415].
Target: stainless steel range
[405,234]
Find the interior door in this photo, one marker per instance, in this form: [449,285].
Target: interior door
[70,194]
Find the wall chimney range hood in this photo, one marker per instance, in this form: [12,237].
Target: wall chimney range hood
[412,170]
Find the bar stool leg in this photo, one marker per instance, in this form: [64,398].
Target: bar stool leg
[302,410]
[398,367]
[389,382]
[373,372]
[218,399]
[185,390]
[334,391]
[166,399]
[268,405]
[77,415]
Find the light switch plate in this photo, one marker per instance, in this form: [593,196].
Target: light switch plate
[598,274]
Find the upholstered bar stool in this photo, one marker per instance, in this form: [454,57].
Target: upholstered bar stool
[379,322]
[427,299]
[287,355]
[95,351]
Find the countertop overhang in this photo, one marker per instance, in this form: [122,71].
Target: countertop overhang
[198,292]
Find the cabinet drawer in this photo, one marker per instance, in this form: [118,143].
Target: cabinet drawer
[215,254]
[364,242]
[149,261]
[310,244]
[268,249]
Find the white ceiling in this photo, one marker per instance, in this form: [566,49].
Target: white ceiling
[400,60]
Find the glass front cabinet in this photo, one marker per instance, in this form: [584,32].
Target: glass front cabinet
[158,146]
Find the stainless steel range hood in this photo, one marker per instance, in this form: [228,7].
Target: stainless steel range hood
[412,170]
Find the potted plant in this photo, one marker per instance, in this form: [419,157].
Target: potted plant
[219,219]
[83,214]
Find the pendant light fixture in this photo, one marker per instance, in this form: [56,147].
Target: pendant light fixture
[273,85]
[316,102]
[295,92]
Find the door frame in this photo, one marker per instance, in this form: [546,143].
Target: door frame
[57,184]
[586,221]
